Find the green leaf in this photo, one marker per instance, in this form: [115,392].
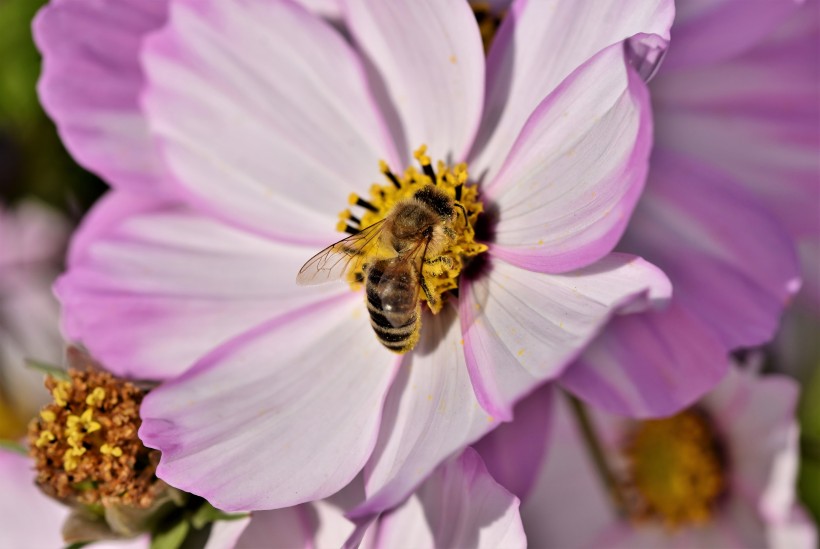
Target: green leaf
[809,479]
[207,514]
[172,537]
[48,369]
[13,446]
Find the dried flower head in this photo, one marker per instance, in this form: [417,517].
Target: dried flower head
[85,443]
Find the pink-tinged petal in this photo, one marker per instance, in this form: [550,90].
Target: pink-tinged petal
[330,9]
[430,413]
[91,82]
[286,413]
[31,520]
[711,31]
[732,264]
[264,115]
[755,116]
[569,185]
[226,533]
[569,505]
[540,43]
[332,528]
[460,505]
[29,329]
[292,527]
[514,451]
[522,328]
[151,288]
[757,417]
[797,532]
[32,235]
[648,364]
[427,59]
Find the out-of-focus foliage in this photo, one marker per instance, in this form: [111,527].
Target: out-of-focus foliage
[809,483]
[33,162]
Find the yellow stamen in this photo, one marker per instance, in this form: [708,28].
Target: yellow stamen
[108,450]
[44,438]
[48,416]
[420,154]
[61,393]
[96,397]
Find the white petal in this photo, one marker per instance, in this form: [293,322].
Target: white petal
[460,505]
[151,288]
[430,413]
[286,413]
[263,113]
[540,43]
[571,181]
[522,328]
[428,56]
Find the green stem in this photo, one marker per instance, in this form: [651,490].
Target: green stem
[596,451]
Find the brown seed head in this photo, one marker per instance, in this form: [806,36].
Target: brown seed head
[85,445]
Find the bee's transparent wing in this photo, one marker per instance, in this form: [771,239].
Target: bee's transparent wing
[338,259]
[395,277]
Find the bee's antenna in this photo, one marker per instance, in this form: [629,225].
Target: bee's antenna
[458,191]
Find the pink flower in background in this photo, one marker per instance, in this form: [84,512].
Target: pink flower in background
[262,120]
[734,186]
[720,474]
[32,240]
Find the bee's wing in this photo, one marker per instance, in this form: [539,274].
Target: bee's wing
[338,259]
[394,272]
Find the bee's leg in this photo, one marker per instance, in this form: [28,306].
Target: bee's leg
[463,210]
[451,234]
[440,259]
[430,299]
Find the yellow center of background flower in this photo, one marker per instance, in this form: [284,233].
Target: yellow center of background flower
[676,470]
[440,273]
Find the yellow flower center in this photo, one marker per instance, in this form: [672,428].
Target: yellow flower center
[439,271]
[675,470]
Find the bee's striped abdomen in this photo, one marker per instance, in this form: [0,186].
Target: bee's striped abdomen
[395,311]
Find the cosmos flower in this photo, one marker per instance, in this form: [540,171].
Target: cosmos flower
[733,188]
[255,123]
[718,474]
[32,239]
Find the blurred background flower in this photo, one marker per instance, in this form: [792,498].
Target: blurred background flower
[41,190]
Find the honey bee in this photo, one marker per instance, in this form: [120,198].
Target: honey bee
[391,255]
